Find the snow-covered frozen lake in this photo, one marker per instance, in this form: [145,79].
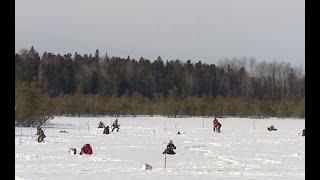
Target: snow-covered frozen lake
[240,151]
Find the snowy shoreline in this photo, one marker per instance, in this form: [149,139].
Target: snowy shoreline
[178,116]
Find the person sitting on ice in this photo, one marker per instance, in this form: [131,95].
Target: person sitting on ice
[86,149]
[101,125]
[216,125]
[41,135]
[303,132]
[106,130]
[115,125]
[170,148]
[271,128]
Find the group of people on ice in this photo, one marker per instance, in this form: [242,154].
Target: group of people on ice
[86,149]
[170,147]
[115,125]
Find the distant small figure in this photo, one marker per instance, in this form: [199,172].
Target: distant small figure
[170,148]
[271,128]
[63,131]
[41,135]
[73,151]
[216,125]
[115,125]
[86,149]
[106,130]
[179,132]
[146,167]
[303,132]
[101,125]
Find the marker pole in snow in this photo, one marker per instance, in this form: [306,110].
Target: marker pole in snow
[88,125]
[45,123]
[165,160]
[31,131]
[165,125]
[20,137]
[202,123]
[80,131]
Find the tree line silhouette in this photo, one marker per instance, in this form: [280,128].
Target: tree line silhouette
[90,84]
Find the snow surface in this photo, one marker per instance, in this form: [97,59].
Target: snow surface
[243,150]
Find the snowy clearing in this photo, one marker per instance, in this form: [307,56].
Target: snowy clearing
[243,150]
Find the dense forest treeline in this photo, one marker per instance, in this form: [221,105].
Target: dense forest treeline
[84,84]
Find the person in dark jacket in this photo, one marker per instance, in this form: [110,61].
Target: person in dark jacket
[41,135]
[38,130]
[86,149]
[115,125]
[106,130]
[303,132]
[101,125]
[170,148]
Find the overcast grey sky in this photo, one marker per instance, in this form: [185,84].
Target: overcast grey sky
[205,30]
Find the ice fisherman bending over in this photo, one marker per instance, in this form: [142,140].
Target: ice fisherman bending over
[170,148]
[216,125]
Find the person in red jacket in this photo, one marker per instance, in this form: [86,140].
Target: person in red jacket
[86,149]
[216,125]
